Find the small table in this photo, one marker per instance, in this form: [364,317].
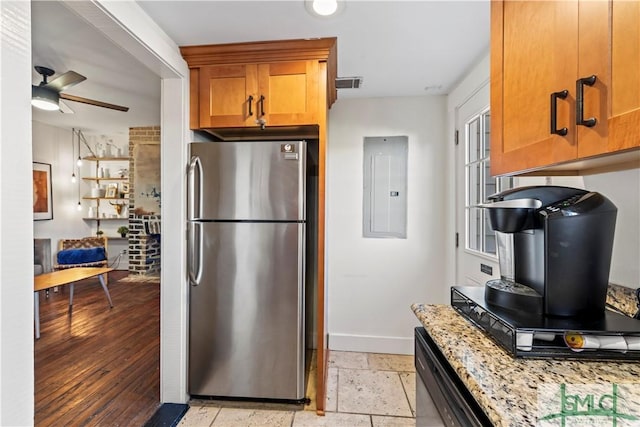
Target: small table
[65,277]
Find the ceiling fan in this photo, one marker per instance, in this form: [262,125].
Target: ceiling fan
[48,95]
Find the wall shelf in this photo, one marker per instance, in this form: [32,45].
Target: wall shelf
[104,198]
[105,219]
[106,159]
[93,178]
[101,204]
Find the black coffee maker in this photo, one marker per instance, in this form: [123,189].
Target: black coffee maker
[554,249]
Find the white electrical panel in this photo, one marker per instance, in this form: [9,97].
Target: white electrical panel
[385,187]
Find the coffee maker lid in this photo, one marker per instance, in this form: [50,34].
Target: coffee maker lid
[514,204]
[510,216]
[546,194]
[514,210]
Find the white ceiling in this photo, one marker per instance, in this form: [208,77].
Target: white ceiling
[398,47]
[63,41]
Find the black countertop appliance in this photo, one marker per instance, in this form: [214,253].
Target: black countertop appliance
[554,249]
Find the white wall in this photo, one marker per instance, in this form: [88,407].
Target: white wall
[16,220]
[623,189]
[372,282]
[476,80]
[52,145]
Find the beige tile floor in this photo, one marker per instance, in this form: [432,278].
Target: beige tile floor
[363,389]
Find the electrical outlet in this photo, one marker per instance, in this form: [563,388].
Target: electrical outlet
[123,252]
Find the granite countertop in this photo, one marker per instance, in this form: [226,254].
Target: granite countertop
[622,298]
[507,388]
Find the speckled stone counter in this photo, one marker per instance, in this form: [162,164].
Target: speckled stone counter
[622,298]
[506,388]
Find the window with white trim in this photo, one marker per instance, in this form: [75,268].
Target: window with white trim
[480,184]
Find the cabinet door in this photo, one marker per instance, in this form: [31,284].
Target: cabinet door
[624,121]
[224,95]
[526,67]
[594,58]
[290,91]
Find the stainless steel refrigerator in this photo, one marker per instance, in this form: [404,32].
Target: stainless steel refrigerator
[246,258]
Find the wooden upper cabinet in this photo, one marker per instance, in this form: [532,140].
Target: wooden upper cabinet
[624,117]
[290,91]
[526,67]
[224,92]
[251,84]
[539,48]
[594,59]
[283,93]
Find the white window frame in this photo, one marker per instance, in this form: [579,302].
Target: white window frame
[476,192]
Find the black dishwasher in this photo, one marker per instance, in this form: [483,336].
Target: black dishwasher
[436,378]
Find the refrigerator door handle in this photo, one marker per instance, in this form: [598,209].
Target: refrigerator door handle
[195,203]
[194,254]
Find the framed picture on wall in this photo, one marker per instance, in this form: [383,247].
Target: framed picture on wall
[42,192]
[112,191]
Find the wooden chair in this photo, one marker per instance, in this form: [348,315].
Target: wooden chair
[83,243]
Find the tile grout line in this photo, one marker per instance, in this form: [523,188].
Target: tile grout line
[216,417]
[337,388]
[406,394]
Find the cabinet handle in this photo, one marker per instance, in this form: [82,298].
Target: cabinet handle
[554,112]
[250,100]
[580,120]
[261,102]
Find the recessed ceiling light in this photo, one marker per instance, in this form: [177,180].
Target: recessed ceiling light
[324,8]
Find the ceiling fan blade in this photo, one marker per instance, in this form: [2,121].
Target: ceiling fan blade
[93,102]
[64,108]
[65,80]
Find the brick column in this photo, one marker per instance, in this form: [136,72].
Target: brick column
[144,241]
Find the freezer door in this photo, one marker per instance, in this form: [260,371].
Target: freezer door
[246,318]
[247,180]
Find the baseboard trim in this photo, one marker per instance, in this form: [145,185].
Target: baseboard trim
[371,344]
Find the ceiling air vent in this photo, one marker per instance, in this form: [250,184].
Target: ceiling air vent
[348,82]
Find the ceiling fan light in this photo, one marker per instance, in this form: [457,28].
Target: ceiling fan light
[45,99]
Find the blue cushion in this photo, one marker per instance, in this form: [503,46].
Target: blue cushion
[81,256]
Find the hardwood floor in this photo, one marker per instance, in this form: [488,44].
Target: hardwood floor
[98,366]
